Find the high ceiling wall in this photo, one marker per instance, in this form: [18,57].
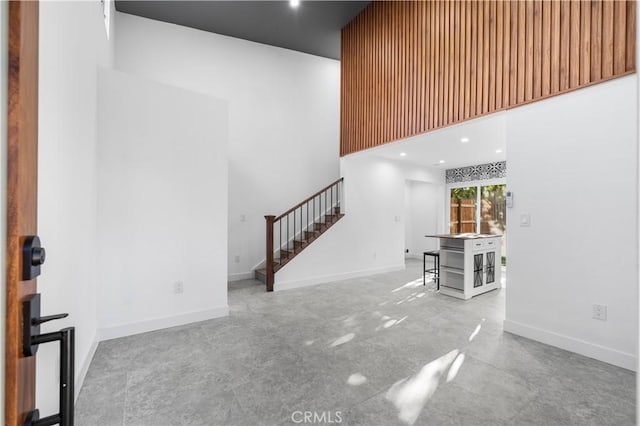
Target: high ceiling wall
[411,67]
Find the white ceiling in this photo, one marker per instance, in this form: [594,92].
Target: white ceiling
[486,135]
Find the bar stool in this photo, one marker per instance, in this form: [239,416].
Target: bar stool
[436,267]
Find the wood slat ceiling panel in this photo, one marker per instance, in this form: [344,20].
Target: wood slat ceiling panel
[412,67]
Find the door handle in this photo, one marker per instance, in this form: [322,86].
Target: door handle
[31,321]
[65,415]
[42,320]
[31,339]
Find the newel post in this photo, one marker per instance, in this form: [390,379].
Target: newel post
[269,257]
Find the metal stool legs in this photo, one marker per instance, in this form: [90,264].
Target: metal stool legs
[435,270]
[424,268]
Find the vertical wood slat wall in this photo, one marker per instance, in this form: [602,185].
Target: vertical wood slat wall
[408,67]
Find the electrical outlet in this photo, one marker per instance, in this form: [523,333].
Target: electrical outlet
[178,287]
[600,312]
[236,259]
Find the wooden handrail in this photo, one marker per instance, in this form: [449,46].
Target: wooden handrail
[304,232]
[308,199]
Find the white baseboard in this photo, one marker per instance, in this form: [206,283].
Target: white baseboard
[249,275]
[591,350]
[122,330]
[84,367]
[413,256]
[323,279]
[239,276]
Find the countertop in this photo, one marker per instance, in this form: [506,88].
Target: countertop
[467,236]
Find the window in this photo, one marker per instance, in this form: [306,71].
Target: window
[493,212]
[463,210]
[480,209]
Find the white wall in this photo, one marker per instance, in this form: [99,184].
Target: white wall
[423,205]
[573,164]
[283,117]
[73,43]
[371,236]
[4,43]
[162,208]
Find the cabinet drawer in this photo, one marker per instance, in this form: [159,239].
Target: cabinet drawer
[485,244]
[478,245]
[452,278]
[489,244]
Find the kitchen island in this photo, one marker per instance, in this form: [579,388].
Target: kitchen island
[469,264]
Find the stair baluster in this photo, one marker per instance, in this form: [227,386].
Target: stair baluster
[302,235]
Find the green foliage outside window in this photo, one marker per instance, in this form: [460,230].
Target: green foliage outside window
[463,193]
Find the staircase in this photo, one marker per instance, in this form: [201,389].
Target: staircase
[294,230]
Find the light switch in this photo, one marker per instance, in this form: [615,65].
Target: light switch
[525,219]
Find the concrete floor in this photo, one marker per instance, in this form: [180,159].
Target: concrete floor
[381,350]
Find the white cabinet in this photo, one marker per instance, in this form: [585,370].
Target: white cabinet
[469,266]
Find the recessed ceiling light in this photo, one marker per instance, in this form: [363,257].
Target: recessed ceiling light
[403,154]
[464,140]
[441,161]
[294,3]
[498,151]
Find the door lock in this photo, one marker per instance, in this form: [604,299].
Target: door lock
[33,255]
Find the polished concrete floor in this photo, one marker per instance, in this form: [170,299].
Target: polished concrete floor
[380,350]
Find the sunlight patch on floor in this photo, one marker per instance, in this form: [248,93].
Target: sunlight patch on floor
[402,319]
[410,395]
[411,284]
[413,296]
[342,340]
[351,320]
[476,331]
[388,322]
[455,367]
[356,379]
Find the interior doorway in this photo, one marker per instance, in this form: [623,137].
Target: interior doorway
[423,216]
